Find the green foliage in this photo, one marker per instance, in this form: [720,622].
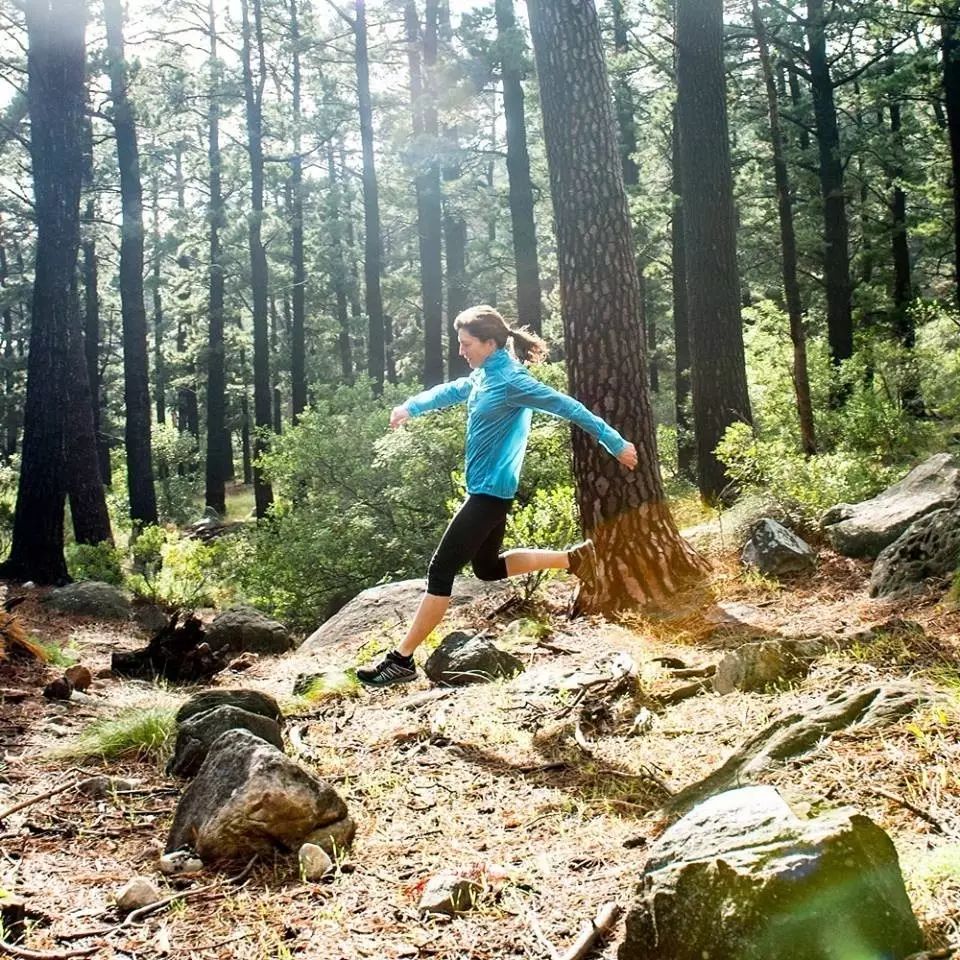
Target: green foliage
[102,561]
[57,656]
[804,487]
[135,733]
[329,685]
[178,571]
[550,521]
[9,478]
[176,465]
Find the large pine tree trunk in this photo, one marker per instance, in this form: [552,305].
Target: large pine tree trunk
[686,444]
[836,257]
[788,245]
[718,376]
[642,557]
[58,441]
[511,44]
[298,346]
[136,382]
[372,243]
[218,441]
[253,95]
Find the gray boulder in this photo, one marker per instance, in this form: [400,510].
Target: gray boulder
[249,798]
[864,529]
[775,550]
[92,598]
[927,550]
[197,733]
[244,629]
[742,877]
[394,603]
[464,658]
[253,701]
[755,666]
[150,617]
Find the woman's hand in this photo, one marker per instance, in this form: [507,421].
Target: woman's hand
[628,456]
[397,416]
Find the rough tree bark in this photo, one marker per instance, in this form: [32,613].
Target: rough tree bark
[136,382]
[642,557]
[58,435]
[718,376]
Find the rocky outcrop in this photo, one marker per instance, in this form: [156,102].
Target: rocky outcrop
[244,629]
[864,529]
[742,877]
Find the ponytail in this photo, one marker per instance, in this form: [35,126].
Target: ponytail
[485,323]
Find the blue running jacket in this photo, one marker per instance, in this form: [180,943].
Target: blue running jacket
[500,396]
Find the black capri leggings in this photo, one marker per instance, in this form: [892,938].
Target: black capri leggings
[475,534]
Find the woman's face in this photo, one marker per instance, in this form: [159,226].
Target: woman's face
[473,350]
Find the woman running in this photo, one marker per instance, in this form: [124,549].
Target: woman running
[500,396]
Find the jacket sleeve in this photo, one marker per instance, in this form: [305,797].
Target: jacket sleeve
[525,391]
[440,396]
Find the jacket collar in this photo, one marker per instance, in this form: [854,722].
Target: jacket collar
[500,359]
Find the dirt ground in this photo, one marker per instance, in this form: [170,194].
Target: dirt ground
[491,778]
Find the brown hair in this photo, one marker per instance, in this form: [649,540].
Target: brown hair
[485,323]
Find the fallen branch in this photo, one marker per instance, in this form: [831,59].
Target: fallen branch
[43,796]
[913,808]
[28,954]
[593,930]
[145,911]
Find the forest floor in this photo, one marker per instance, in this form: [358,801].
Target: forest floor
[463,781]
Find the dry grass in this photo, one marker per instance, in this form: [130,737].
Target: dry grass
[491,775]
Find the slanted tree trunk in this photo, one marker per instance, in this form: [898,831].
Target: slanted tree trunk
[59,446]
[253,96]
[372,243]
[642,557]
[836,256]
[788,245]
[512,54]
[718,366]
[298,345]
[136,382]
[218,440]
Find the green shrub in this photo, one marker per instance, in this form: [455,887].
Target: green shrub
[102,561]
[549,521]
[176,463]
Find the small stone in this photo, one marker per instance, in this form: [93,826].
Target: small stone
[314,862]
[449,893]
[100,788]
[60,689]
[79,676]
[180,863]
[244,662]
[137,892]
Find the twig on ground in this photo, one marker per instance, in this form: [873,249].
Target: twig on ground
[593,930]
[27,954]
[542,939]
[43,796]
[913,808]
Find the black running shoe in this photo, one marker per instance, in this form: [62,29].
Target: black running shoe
[390,670]
[583,562]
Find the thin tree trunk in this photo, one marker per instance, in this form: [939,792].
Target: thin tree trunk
[836,257]
[159,369]
[372,260]
[338,268]
[455,246]
[788,245]
[950,35]
[624,102]
[188,412]
[253,95]
[218,441]
[718,365]
[511,43]
[298,346]
[136,382]
[642,557]
[9,386]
